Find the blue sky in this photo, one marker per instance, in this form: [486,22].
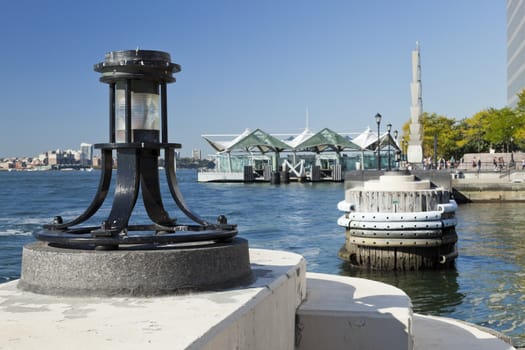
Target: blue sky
[247,64]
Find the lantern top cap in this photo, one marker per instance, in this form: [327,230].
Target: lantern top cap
[137,64]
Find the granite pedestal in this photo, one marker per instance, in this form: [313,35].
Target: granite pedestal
[134,270]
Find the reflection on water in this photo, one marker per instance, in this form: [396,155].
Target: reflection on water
[492,266]
[488,285]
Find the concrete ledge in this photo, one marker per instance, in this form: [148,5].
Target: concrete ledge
[491,187]
[353,313]
[433,333]
[258,316]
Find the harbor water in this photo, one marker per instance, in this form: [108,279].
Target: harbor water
[487,287]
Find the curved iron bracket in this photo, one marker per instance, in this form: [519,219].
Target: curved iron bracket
[174,188]
[102,192]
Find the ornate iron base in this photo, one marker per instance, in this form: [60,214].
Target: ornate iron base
[137,167]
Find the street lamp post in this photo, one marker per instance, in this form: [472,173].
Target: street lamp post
[404,143]
[378,121]
[405,150]
[388,128]
[397,149]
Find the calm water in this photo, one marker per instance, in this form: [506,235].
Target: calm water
[487,287]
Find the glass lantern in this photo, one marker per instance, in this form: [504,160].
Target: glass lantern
[145,112]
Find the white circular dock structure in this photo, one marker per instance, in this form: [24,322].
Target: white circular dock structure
[398,223]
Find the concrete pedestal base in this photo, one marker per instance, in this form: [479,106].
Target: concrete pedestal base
[134,271]
[259,316]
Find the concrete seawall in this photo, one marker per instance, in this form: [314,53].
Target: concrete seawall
[491,187]
[485,186]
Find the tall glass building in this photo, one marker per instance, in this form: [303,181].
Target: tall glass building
[86,155]
[515,50]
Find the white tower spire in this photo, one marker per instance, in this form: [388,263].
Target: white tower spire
[415,148]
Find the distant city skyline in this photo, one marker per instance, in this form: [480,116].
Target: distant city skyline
[88,151]
[53,149]
[247,65]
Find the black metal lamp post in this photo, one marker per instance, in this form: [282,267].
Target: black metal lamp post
[138,130]
[397,148]
[403,148]
[388,128]
[435,151]
[378,121]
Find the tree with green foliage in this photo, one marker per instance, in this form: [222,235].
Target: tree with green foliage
[442,129]
[472,131]
[520,106]
[501,128]
[519,132]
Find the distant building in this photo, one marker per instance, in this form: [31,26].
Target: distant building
[53,158]
[86,155]
[196,154]
[515,50]
[42,157]
[60,158]
[20,164]
[7,164]
[97,162]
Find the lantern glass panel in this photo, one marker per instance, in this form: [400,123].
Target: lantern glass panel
[145,108]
